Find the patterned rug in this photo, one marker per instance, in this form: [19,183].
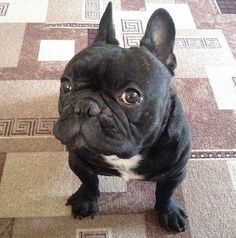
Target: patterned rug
[37,39]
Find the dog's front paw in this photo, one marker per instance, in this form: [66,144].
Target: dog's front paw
[81,206]
[172,217]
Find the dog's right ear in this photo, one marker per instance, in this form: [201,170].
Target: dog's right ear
[106,32]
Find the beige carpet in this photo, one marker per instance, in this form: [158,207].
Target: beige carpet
[37,39]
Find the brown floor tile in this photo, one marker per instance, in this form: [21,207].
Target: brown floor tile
[6,227]
[92,35]
[31,144]
[11,38]
[133,5]
[28,103]
[211,128]
[210,199]
[227,6]
[140,198]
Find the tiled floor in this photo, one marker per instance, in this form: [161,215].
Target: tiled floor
[37,39]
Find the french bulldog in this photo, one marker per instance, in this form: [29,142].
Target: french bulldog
[120,116]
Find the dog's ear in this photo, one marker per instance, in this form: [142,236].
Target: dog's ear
[106,32]
[159,38]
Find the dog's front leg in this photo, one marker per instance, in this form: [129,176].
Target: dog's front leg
[171,215]
[84,201]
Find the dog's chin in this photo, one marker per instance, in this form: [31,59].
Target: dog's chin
[121,149]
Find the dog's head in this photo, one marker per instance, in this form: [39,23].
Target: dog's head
[113,100]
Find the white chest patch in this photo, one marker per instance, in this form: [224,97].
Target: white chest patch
[125,166]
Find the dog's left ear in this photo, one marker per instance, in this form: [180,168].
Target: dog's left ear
[159,38]
[106,32]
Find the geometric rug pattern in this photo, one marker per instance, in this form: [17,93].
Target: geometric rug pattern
[37,39]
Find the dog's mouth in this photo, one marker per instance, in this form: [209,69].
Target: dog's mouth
[96,140]
[101,135]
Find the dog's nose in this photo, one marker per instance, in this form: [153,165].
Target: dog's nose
[87,106]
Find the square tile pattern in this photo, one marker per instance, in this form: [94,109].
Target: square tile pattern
[56,50]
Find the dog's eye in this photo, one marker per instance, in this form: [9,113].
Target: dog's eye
[66,86]
[131,96]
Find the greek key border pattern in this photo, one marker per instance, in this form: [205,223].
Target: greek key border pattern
[3,8]
[18,127]
[197,43]
[93,233]
[234,80]
[131,40]
[92,10]
[213,154]
[132,26]
[73,25]
[132,32]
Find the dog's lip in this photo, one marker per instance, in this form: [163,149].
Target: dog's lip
[86,144]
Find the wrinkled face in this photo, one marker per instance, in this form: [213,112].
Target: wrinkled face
[112,100]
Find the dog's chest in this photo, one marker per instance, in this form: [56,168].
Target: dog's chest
[125,166]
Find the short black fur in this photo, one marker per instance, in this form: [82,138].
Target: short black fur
[95,120]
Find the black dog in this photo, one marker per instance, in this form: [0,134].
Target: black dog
[120,115]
